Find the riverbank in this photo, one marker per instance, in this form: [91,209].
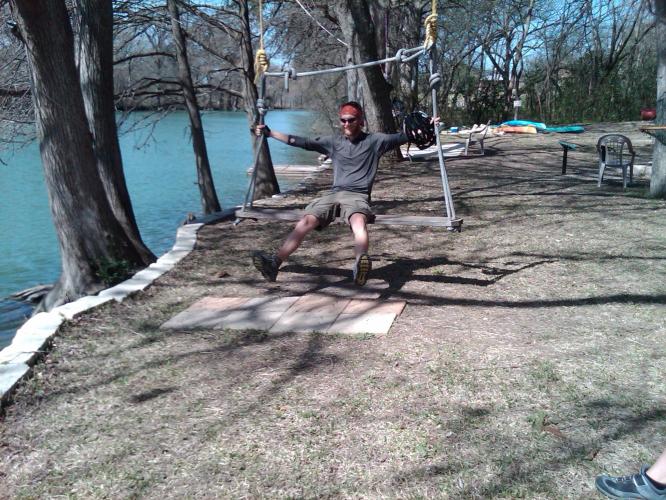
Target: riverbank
[528,359]
[159,169]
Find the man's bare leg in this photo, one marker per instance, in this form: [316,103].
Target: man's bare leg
[269,265]
[362,264]
[358,223]
[649,484]
[296,237]
[658,469]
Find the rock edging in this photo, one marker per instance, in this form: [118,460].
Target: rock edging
[30,341]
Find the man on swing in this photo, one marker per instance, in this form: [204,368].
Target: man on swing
[355,156]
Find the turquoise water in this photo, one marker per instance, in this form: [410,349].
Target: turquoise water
[161,178]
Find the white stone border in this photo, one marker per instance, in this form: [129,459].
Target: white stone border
[17,359]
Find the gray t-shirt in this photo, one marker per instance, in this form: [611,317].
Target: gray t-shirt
[354,162]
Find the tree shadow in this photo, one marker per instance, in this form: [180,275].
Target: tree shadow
[523,469]
[402,270]
[142,397]
[239,339]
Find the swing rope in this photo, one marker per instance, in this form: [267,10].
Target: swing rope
[318,23]
[261,63]
[430,25]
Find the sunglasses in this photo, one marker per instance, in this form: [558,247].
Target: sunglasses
[347,120]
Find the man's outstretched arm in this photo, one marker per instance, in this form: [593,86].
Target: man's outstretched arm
[320,144]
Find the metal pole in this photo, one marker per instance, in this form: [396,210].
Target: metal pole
[249,194]
[448,202]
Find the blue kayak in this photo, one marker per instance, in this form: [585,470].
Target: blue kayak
[525,123]
[566,129]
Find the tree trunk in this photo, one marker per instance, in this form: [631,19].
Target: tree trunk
[354,18]
[90,238]
[266,183]
[354,90]
[409,73]
[209,201]
[96,72]
[516,69]
[658,179]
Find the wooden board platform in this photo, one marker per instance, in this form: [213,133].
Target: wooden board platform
[393,220]
[312,312]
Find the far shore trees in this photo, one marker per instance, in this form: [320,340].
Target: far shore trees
[93,245]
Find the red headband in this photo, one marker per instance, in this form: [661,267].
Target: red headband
[351,110]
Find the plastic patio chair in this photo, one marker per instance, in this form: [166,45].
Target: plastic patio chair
[615,150]
[476,136]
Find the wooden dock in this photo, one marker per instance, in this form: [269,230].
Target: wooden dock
[296,170]
[448,151]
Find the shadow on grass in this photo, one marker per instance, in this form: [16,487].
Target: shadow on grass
[534,469]
[142,397]
[401,271]
[234,341]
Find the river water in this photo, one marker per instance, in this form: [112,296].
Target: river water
[161,178]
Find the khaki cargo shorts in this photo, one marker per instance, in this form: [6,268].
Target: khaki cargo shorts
[325,208]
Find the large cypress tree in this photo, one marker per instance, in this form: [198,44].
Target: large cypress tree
[93,245]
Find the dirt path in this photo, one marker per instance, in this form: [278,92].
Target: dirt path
[530,356]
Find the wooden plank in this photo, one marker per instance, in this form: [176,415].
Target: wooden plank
[270,214]
[296,170]
[412,220]
[389,220]
[448,150]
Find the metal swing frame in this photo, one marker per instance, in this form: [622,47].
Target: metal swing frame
[402,56]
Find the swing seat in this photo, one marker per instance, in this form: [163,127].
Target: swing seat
[288,215]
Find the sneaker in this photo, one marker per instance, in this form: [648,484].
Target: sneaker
[361,269]
[637,486]
[267,265]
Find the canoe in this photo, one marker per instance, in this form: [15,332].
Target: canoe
[509,129]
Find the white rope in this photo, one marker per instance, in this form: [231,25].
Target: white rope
[319,24]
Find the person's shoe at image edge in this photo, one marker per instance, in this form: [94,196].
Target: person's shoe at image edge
[362,268]
[267,265]
[638,486]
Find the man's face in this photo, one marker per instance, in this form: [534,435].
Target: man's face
[351,125]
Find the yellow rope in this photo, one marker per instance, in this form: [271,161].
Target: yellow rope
[431,27]
[261,63]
